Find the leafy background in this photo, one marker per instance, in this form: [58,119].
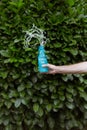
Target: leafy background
[28,99]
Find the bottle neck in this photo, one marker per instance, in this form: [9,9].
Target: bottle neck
[41,48]
[41,51]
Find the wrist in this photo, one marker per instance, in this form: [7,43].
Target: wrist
[60,69]
[56,69]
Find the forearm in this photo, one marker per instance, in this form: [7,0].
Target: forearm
[75,68]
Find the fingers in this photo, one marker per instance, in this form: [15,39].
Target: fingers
[52,68]
[45,65]
[49,66]
[49,72]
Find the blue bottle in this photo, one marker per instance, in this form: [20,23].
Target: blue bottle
[42,59]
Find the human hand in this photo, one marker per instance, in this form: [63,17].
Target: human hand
[52,68]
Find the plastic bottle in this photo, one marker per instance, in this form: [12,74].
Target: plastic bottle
[42,59]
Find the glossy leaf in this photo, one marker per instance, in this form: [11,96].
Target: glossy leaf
[35,107]
[17,103]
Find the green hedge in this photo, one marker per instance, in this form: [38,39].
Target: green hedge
[28,99]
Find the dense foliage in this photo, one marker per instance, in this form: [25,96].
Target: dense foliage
[28,99]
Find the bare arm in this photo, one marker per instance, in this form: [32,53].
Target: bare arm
[78,68]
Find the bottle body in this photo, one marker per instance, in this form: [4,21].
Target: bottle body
[42,59]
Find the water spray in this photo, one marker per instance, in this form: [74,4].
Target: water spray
[38,34]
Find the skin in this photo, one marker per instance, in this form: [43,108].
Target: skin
[78,68]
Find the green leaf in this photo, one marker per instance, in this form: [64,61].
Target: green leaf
[8,104]
[73,51]
[4,95]
[18,3]
[51,122]
[81,89]
[21,88]
[62,97]
[85,114]
[4,74]
[35,107]
[17,103]
[51,88]
[71,2]
[85,106]
[70,90]
[83,95]
[70,105]
[40,112]
[6,121]
[43,86]
[41,123]
[5,53]
[1,121]
[5,85]
[34,79]
[8,127]
[24,101]
[13,93]
[15,76]
[69,97]
[49,107]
